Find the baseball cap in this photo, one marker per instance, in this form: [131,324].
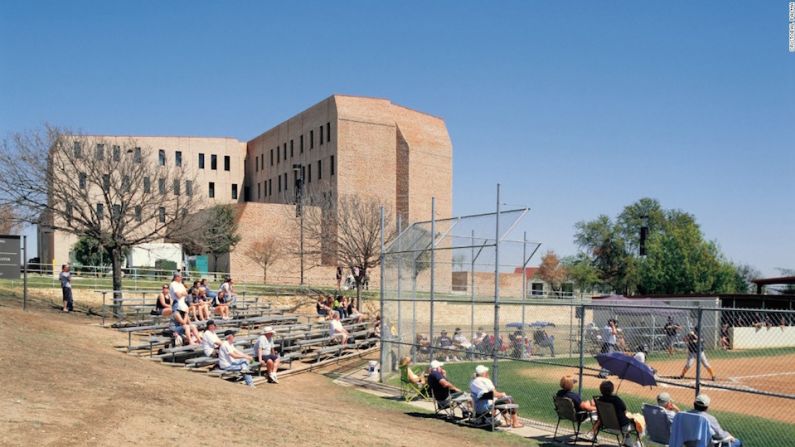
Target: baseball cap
[703,399]
[663,398]
[436,364]
[210,323]
[480,369]
[268,330]
[229,332]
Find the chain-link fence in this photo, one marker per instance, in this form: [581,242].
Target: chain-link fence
[451,292]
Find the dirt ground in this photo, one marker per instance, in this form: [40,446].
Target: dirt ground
[63,384]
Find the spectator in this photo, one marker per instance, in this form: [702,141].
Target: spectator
[442,388]
[377,326]
[66,288]
[667,404]
[544,340]
[671,330]
[267,355]
[163,303]
[353,312]
[445,343]
[220,307]
[339,307]
[202,304]
[700,407]
[724,337]
[460,342]
[609,342]
[336,331]
[176,289]
[181,325]
[421,346]
[207,292]
[566,390]
[229,292]
[321,308]
[339,276]
[625,419]
[412,376]
[210,340]
[230,359]
[482,389]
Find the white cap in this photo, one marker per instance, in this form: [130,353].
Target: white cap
[703,399]
[182,306]
[480,370]
[436,364]
[268,330]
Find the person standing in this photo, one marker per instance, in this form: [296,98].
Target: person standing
[671,330]
[694,349]
[609,342]
[229,293]
[339,277]
[66,288]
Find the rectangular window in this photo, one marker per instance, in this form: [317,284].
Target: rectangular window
[161,185]
[301,144]
[125,183]
[211,190]
[321,135]
[137,155]
[78,150]
[69,213]
[259,191]
[280,183]
[309,174]
[234,191]
[100,152]
[271,157]
[147,185]
[311,139]
[246,194]
[537,289]
[189,187]
[161,157]
[278,155]
[116,153]
[100,211]
[319,169]
[331,164]
[176,187]
[213,162]
[106,182]
[178,158]
[201,161]
[285,152]
[138,213]
[328,132]
[270,187]
[81,179]
[256,164]
[161,214]
[285,182]
[115,211]
[291,148]
[227,163]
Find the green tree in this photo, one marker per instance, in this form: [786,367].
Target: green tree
[89,251]
[582,273]
[220,234]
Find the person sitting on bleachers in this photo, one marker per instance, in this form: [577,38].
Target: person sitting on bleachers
[230,359]
[229,292]
[207,292]
[163,303]
[336,331]
[266,354]
[352,311]
[445,343]
[481,386]
[460,342]
[210,340]
[181,325]
[377,326]
[321,308]
[220,307]
[339,307]
[202,304]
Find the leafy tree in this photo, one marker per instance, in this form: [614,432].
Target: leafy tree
[220,235]
[551,271]
[582,273]
[89,251]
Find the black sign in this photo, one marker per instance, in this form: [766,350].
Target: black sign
[9,257]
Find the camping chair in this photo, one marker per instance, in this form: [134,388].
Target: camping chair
[692,430]
[408,389]
[564,407]
[490,416]
[446,408]
[609,423]
[658,426]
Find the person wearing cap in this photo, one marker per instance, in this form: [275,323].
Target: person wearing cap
[460,341]
[695,348]
[700,407]
[671,330]
[180,323]
[445,343]
[480,386]
[443,389]
[210,340]
[336,330]
[65,277]
[665,402]
[230,359]
[566,390]
[266,354]
[229,293]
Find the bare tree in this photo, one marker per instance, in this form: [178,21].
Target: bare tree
[551,271]
[8,220]
[112,190]
[265,252]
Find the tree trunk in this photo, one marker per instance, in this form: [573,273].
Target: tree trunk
[117,295]
[265,275]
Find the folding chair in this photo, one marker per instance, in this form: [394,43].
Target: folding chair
[658,426]
[564,407]
[609,423]
[692,430]
[447,407]
[489,417]
[410,390]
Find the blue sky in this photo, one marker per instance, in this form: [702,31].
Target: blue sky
[577,108]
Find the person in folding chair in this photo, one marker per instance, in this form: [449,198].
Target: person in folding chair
[578,411]
[482,388]
[719,435]
[412,385]
[628,423]
[447,397]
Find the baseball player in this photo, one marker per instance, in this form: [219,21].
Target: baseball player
[695,348]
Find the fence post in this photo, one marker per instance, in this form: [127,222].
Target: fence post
[495,350]
[399,297]
[524,275]
[699,347]
[24,272]
[384,327]
[433,267]
[472,289]
[582,347]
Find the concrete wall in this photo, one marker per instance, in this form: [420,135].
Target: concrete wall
[757,338]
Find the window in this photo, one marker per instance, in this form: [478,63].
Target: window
[100,155]
[106,182]
[270,187]
[201,161]
[331,164]
[285,152]
[211,190]
[259,191]
[115,211]
[246,193]
[100,211]
[319,169]
[321,135]
[176,187]
[78,150]
[161,157]
[301,144]
[69,213]
[537,289]
[328,132]
[234,191]
[291,148]
[309,174]
[189,187]
[271,157]
[178,158]
[147,185]
[311,139]
[138,213]
[285,182]
[256,164]
[137,155]
[81,179]
[125,183]
[161,185]
[227,163]
[161,214]
[116,153]
[278,155]
[213,162]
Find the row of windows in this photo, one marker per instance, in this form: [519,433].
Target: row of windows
[211,190]
[306,173]
[281,151]
[214,162]
[116,211]
[161,185]
[99,154]
[100,150]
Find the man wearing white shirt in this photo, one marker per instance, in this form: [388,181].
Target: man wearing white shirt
[266,354]
[482,385]
[230,359]
[210,340]
[176,289]
[336,330]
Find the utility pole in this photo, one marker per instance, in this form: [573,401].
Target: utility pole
[298,173]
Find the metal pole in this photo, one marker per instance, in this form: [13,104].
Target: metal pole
[582,346]
[383,319]
[699,347]
[495,351]
[302,246]
[472,289]
[399,301]
[24,273]
[524,274]
[433,267]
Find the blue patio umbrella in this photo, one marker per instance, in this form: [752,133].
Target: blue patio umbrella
[541,324]
[627,367]
[516,324]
